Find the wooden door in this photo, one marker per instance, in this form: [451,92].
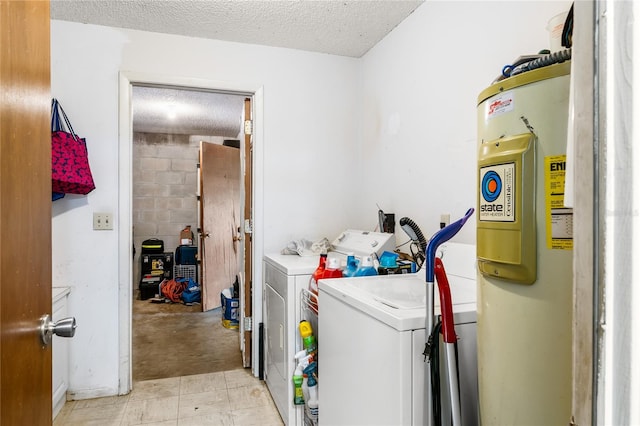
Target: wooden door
[220,217]
[247,283]
[25,212]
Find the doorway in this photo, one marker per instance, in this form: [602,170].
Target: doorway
[124,212]
[170,126]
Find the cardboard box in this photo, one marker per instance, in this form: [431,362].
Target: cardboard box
[186,236]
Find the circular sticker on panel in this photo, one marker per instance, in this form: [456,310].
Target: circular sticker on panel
[491,186]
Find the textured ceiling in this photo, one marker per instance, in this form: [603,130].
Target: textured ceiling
[345,28]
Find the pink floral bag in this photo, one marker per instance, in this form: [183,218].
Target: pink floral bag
[70,171]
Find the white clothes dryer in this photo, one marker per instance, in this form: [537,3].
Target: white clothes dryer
[284,278]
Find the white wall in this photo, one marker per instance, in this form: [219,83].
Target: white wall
[396,128]
[420,90]
[310,123]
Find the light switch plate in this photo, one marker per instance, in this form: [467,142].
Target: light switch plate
[102,221]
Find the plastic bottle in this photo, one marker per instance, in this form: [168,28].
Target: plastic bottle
[352,266]
[366,268]
[308,339]
[311,404]
[313,400]
[332,269]
[322,264]
[313,282]
[305,386]
[303,359]
[388,263]
[298,397]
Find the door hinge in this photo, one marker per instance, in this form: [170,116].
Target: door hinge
[247,324]
[248,226]
[248,127]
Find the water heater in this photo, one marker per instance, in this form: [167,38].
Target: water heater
[524,250]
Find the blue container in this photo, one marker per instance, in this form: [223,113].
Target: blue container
[230,307]
[186,255]
[366,268]
[352,266]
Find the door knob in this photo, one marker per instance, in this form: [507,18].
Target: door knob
[65,327]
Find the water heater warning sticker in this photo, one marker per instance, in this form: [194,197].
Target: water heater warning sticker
[497,193]
[559,219]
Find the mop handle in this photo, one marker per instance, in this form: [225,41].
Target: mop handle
[443,235]
[446,307]
[438,238]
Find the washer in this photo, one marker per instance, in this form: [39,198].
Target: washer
[284,278]
[371,339]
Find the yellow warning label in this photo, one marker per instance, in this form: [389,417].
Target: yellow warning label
[559,219]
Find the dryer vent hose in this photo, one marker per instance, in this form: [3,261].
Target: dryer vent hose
[414,232]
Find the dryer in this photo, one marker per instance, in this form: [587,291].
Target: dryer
[284,278]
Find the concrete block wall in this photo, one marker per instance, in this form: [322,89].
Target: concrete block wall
[164,189]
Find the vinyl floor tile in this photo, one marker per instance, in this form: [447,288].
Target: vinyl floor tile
[180,378]
[230,398]
[256,395]
[155,388]
[202,383]
[204,403]
[150,410]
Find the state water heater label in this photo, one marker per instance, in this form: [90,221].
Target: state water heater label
[497,193]
[500,104]
[559,219]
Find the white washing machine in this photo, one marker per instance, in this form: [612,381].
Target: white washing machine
[284,278]
[371,339]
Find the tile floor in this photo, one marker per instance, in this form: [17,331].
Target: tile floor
[229,398]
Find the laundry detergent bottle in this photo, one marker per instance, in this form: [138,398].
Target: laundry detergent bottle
[352,266]
[313,282]
[332,269]
[366,268]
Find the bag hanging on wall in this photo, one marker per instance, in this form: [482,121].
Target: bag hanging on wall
[55,126]
[70,171]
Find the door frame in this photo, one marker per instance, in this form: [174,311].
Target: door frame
[125,216]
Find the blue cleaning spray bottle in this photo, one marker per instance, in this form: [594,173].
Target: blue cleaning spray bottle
[311,404]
